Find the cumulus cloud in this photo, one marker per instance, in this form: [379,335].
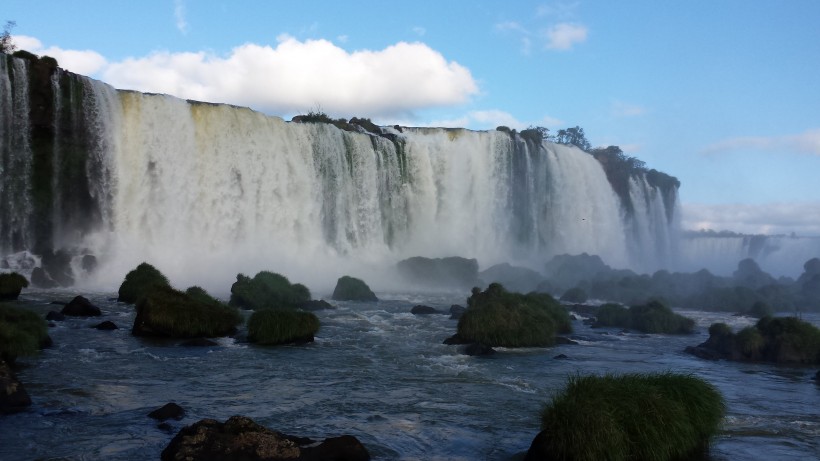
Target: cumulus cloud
[771,218]
[84,62]
[299,75]
[490,119]
[807,142]
[565,35]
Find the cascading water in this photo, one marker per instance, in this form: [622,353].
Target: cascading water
[204,191]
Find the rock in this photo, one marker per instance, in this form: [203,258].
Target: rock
[13,397]
[39,278]
[455,339]
[704,353]
[457,311]
[240,438]
[81,307]
[58,267]
[199,342]
[563,340]
[452,272]
[477,349]
[352,289]
[423,310]
[514,278]
[560,357]
[55,316]
[316,305]
[11,284]
[106,326]
[89,263]
[168,411]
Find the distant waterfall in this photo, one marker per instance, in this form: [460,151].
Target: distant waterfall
[204,191]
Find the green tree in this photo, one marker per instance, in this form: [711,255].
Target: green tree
[573,136]
[6,44]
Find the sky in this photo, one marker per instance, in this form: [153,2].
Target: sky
[724,95]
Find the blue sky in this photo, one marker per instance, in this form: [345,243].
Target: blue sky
[725,95]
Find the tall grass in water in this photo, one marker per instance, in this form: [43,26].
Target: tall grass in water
[139,282]
[282,326]
[169,312]
[648,417]
[21,333]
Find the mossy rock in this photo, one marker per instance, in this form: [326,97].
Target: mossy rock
[267,290]
[22,333]
[661,417]
[786,340]
[140,282]
[170,313]
[11,284]
[653,317]
[498,318]
[282,326]
[352,289]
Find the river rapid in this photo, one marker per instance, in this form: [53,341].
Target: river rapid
[377,372]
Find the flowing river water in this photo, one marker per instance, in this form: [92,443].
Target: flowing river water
[377,372]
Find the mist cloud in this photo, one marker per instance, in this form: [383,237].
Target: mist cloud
[772,218]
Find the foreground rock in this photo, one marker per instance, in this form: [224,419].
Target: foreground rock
[240,438]
[13,397]
[352,289]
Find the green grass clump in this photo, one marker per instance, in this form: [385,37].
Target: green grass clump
[653,417]
[267,290]
[11,284]
[772,339]
[140,281]
[497,317]
[352,289]
[653,317]
[171,313]
[282,326]
[22,333]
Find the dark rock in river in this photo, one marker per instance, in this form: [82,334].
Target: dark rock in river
[452,272]
[240,438]
[477,349]
[423,310]
[316,305]
[455,339]
[107,326]
[81,307]
[55,316]
[13,397]
[168,411]
[457,311]
[353,289]
[40,279]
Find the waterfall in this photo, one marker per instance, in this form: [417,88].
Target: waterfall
[204,191]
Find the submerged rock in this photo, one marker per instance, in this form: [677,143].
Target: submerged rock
[81,307]
[106,326]
[168,411]
[240,438]
[13,397]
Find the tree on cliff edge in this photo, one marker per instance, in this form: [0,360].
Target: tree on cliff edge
[6,44]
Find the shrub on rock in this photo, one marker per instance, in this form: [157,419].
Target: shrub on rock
[635,416]
[282,326]
[653,317]
[11,284]
[352,289]
[167,312]
[772,339]
[22,332]
[141,281]
[267,290]
[498,318]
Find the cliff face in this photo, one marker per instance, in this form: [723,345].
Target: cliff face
[128,177]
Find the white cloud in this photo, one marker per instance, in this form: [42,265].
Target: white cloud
[490,119]
[564,36]
[85,62]
[623,109]
[807,142]
[296,76]
[771,218]
[179,16]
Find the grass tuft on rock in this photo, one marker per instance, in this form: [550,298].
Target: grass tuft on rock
[11,284]
[141,281]
[282,326]
[267,290]
[772,339]
[498,318]
[655,417]
[167,312]
[22,333]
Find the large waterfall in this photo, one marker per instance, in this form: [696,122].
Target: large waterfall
[204,191]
